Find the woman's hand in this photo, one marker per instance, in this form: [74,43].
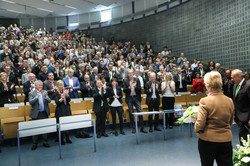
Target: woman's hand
[12,86]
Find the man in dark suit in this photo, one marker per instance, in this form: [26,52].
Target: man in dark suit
[122,76]
[100,107]
[110,73]
[200,69]
[39,100]
[80,73]
[132,88]
[43,75]
[160,77]
[180,81]
[94,76]
[29,86]
[241,96]
[50,86]
[153,91]
[101,68]
[11,77]
[189,74]
[228,85]
[86,87]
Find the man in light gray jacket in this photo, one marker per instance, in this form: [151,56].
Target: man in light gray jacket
[39,100]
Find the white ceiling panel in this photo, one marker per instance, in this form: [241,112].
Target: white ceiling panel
[69,7]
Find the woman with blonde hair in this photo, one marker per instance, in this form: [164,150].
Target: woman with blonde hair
[62,100]
[168,99]
[6,90]
[213,125]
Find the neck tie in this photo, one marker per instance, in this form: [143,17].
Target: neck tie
[41,104]
[102,96]
[237,89]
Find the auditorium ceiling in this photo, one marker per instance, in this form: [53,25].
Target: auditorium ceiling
[46,8]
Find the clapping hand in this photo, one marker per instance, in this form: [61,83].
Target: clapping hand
[156,86]
[70,87]
[38,94]
[116,96]
[104,87]
[134,83]
[12,86]
[66,92]
[44,94]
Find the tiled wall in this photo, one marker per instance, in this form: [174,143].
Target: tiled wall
[216,30]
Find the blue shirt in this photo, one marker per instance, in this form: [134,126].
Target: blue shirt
[41,103]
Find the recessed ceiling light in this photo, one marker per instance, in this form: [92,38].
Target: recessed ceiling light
[9,1]
[14,11]
[45,10]
[73,24]
[70,7]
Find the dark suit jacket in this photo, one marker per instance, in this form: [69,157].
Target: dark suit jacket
[92,77]
[127,90]
[6,96]
[77,74]
[34,102]
[47,86]
[114,75]
[149,92]
[228,88]
[85,91]
[189,78]
[26,90]
[97,100]
[42,76]
[111,94]
[177,81]
[241,102]
[13,79]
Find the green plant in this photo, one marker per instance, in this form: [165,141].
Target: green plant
[241,157]
[189,116]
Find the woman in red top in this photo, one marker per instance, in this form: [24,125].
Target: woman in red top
[198,83]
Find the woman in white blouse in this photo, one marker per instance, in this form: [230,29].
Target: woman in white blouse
[168,100]
[115,101]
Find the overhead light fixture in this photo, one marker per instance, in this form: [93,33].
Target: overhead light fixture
[70,7]
[73,24]
[45,10]
[9,1]
[14,11]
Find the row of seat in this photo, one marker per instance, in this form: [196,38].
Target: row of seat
[21,96]
[11,115]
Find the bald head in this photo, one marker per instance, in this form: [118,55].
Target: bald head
[86,78]
[152,77]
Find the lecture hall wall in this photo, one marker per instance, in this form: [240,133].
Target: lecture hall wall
[207,29]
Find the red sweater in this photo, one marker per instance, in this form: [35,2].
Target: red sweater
[198,86]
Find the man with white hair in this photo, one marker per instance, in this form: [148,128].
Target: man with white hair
[221,71]
[39,100]
[95,76]
[153,91]
[181,60]
[71,83]
[241,98]
[137,75]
